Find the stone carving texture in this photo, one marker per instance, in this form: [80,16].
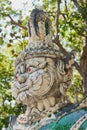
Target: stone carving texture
[43,74]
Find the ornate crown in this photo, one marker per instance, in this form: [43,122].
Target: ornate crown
[40,38]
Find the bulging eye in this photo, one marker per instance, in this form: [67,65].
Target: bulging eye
[16,77]
[29,69]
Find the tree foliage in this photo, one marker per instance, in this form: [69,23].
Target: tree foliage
[69,21]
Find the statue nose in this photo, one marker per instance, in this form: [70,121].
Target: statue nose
[22,79]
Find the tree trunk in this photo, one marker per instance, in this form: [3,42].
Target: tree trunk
[83,64]
[84,60]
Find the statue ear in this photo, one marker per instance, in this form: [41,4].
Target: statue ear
[69,60]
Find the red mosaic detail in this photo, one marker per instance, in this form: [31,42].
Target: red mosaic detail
[29,69]
[16,77]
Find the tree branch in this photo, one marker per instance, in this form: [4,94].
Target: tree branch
[80,9]
[83,35]
[66,6]
[15,23]
[77,66]
[56,39]
[57,16]
[86,26]
[77,5]
[82,2]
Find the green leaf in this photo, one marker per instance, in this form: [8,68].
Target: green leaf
[1,41]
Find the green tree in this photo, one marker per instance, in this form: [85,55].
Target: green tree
[8,52]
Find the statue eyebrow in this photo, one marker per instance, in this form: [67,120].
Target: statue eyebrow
[31,65]
[22,64]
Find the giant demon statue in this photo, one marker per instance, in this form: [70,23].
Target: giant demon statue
[43,73]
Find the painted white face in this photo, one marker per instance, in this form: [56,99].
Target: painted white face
[26,68]
[34,76]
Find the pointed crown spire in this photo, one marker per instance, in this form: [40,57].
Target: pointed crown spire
[39,26]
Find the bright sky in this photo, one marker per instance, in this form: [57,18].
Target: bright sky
[20,4]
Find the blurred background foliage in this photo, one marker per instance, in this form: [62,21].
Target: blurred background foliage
[14,38]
